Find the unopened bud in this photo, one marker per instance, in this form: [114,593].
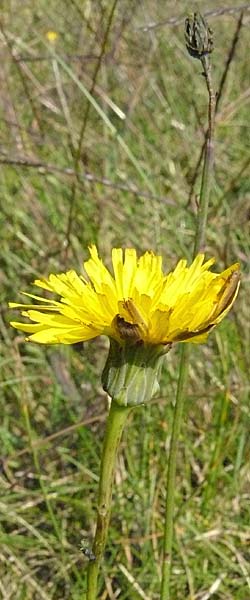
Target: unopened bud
[198,36]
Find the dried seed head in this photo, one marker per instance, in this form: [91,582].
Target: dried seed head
[198,36]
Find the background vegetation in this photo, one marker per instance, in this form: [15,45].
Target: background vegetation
[119,168]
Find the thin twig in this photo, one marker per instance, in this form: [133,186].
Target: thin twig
[41,443]
[42,167]
[83,19]
[47,57]
[230,57]
[224,76]
[18,66]
[235,180]
[217,12]
[83,127]
[133,582]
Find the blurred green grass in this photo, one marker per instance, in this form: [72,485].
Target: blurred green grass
[127,183]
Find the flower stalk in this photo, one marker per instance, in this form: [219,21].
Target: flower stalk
[199,44]
[130,377]
[171,476]
[208,164]
[114,428]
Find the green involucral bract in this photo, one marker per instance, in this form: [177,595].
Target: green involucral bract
[132,372]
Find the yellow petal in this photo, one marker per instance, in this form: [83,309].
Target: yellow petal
[137,303]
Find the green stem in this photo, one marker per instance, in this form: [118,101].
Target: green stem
[184,362]
[115,425]
[169,511]
[208,164]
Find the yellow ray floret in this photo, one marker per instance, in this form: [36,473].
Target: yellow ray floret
[137,303]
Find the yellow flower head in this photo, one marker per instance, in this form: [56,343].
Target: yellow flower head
[51,36]
[138,302]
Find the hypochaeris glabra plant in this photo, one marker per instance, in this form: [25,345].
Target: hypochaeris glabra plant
[143,311]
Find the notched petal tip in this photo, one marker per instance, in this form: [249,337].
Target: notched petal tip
[93,251]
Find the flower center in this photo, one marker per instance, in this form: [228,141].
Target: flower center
[129,322]
[129,332]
